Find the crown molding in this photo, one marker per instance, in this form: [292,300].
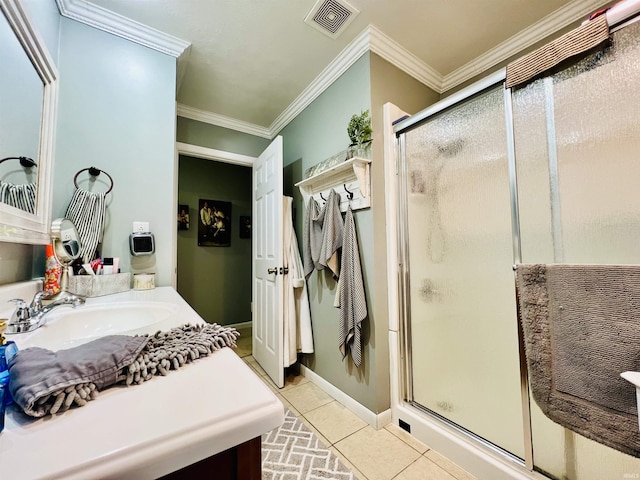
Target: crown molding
[108,21]
[557,20]
[397,55]
[347,57]
[370,39]
[186,111]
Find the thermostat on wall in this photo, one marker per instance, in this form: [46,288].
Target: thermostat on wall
[142,243]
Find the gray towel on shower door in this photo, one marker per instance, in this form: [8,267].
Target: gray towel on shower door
[581,328]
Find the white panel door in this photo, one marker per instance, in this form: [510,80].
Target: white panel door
[267,292]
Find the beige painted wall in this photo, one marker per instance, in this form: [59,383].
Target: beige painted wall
[388,84]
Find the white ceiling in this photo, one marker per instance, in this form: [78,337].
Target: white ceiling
[250,60]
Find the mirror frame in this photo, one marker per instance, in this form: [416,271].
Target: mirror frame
[18,226]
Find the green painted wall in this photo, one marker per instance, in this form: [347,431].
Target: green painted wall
[317,133]
[116,111]
[314,135]
[215,281]
[219,138]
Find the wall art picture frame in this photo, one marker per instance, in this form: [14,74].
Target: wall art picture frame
[214,223]
[183,217]
[245,226]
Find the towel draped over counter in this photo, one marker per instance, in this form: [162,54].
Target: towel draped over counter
[44,382]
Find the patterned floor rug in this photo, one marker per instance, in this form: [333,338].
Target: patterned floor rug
[293,452]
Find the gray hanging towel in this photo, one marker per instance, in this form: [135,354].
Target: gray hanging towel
[353,303]
[322,235]
[87,211]
[311,237]
[581,331]
[332,230]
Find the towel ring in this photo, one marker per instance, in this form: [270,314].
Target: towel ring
[94,172]
[24,161]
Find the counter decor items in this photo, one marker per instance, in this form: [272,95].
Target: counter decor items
[359,131]
[99,285]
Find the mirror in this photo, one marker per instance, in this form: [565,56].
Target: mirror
[66,248]
[28,95]
[66,241]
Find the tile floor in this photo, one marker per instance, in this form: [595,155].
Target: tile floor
[385,454]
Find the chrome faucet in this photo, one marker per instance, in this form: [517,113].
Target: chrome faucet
[27,318]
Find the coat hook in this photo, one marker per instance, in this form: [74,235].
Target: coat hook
[322,197]
[349,194]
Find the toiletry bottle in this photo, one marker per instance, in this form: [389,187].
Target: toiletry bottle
[7,351]
[52,271]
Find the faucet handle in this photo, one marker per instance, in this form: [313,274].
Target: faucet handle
[22,310]
[36,303]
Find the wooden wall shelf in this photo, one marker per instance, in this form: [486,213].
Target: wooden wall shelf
[353,175]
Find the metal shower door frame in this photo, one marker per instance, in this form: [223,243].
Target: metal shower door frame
[400,130]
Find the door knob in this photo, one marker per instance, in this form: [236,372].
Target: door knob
[272,270]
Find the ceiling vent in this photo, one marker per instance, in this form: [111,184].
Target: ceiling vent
[331,17]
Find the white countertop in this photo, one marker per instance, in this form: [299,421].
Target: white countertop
[148,430]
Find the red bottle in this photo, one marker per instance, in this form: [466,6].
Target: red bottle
[52,271]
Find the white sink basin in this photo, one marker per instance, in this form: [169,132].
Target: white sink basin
[68,327]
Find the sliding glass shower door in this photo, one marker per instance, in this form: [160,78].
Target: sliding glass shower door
[574,141]
[463,337]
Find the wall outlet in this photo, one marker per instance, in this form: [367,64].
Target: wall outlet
[140,227]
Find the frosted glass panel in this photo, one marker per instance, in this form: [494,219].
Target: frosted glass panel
[464,346]
[587,117]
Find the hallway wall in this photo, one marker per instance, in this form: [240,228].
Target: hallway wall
[215,281]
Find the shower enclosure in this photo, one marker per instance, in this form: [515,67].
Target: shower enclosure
[544,173]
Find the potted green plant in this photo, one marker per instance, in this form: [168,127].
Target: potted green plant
[359,131]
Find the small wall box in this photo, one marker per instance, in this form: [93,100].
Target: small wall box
[142,243]
[98,285]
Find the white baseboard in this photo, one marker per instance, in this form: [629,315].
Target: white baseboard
[376,421]
[240,325]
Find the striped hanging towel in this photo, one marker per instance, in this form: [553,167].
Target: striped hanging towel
[87,210]
[19,196]
[353,303]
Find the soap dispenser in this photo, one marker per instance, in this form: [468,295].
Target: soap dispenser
[7,350]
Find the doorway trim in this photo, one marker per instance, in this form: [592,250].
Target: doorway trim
[213,154]
[205,153]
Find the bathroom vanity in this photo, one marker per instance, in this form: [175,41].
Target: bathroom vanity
[207,416]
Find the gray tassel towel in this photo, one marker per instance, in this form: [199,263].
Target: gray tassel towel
[43,382]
